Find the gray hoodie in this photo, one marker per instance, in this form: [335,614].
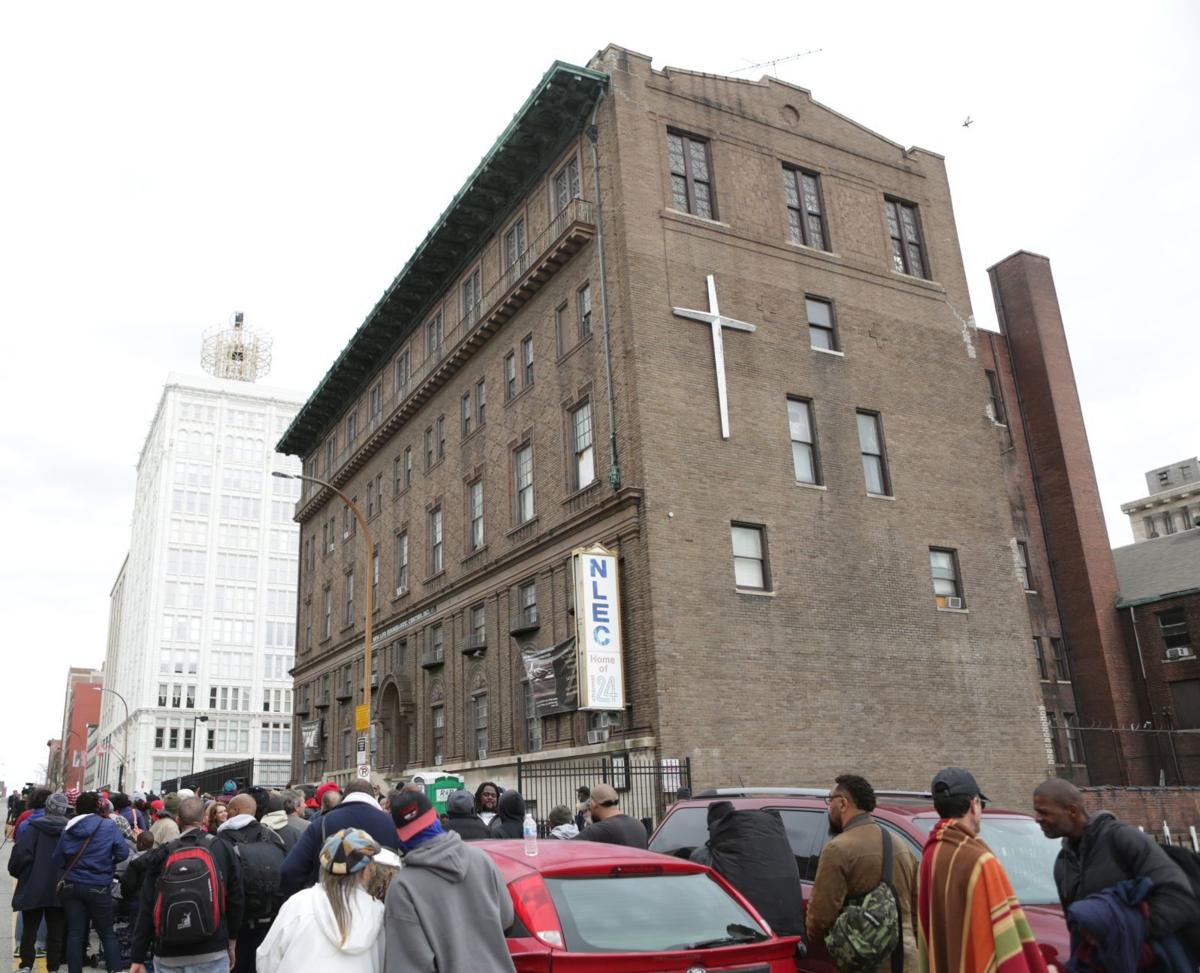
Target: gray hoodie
[446,911]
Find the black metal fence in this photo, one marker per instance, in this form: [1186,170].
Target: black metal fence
[210,781]
[647,786]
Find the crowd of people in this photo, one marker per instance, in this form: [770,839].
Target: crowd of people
[253,879]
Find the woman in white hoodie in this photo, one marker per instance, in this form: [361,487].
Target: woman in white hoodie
[336,924]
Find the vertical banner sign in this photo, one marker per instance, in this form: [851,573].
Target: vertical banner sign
[598,629]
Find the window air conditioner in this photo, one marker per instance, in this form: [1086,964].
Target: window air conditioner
[482,755]
[954,603]
[1182,652]
[598,736]
[437,759]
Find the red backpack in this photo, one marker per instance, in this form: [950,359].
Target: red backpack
[190,899]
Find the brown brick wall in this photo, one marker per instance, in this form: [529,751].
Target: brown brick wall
[1148,807]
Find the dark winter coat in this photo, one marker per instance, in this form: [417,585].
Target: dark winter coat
[300,868]
[1110,852]
[750,850]
[616,829]
[510,818]
[98,862]
[32,864]
[470,827]
[134,875]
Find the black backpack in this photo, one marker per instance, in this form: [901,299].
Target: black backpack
[262,858]
[190,898]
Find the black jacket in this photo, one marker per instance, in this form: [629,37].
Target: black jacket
[469,826]
[510,816]
[32,864]
[231,919]
[619,829]
[1110,852]
[750,850]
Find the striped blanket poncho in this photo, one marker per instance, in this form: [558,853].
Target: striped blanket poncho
[970,919]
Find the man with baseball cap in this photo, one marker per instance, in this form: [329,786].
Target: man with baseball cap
[448,907]
[969,918]
[609,823]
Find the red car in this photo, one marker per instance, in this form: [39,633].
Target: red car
[585,907]
[1027,855]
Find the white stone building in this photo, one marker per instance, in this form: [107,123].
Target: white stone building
[203,620]
[1172,505]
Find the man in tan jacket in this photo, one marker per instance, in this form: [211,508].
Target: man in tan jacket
[852,864]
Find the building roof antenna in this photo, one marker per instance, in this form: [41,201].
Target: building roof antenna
[772,64]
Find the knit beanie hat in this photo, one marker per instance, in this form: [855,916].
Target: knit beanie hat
[57,805]
[460,804]
[348,852]
[229,787]
[171,804]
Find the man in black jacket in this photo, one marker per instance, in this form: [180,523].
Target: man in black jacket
[461,817]
[222,943]
[1098,852]
[261,853]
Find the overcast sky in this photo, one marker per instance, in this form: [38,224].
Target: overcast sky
[162,165]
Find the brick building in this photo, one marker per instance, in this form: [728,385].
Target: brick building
[81,709]
[1160,611]
[831,584]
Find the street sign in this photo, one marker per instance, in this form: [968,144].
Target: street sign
[361,755]
[362,718]
[364,771]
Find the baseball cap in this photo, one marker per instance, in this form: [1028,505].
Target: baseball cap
[956,782]
[412,813]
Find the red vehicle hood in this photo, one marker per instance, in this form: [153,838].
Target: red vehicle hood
[1050,930]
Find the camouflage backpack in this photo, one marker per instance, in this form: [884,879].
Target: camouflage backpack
[867,930]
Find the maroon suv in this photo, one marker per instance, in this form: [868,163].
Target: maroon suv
[1027,855]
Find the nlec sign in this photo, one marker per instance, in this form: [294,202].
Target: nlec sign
[598,629]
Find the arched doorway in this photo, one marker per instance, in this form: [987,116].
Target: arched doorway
[394,728]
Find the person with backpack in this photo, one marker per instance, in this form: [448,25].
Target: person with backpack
[335,925]
[970,920]
[1099,852]
[864,895]
[192,902]
[36,896]
[261,853]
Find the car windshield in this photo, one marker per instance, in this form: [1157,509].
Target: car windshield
[648,913]
[1026,854]
[682,832]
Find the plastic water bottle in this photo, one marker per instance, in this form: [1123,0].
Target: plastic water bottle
[529,833]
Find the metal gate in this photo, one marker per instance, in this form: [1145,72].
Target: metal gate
[210,781]
[646,786]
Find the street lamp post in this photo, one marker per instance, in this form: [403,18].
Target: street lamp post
[362,725]
[195,735]
[124,738]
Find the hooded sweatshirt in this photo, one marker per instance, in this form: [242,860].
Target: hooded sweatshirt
[461,817]
[564,832]
[507,824]
[32,864]
[305,936]
[97,863]
[447,909]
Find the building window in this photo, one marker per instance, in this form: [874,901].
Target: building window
[523,474]
[438,734]
[822,333]
[434,333]
[480,402]
[351,428]
[437,642]
[527,361]
[475,515]
[480,708]
[428,448]
[583,307]
[397,477]
[370,499]
[375,579]
[408,467]
[1074,741]
[308,625]
[478,621]
[566,185]
[527,603]
[514,244]
[375,401]
[561,339]
[905,231]
[804,441]
[472,297]
[806,222]
[510,376]
[402,562]
[162,694]
[583,467]
[1023,568]
[874,460]
[402,375]
[691,179]
[435,541]
[947,589]
[330,453]
[327,626]
[467,414]
[441,438]
[750,557]
[1040,656]
[994,397]
[533,722]
[349,604]
[1173,627]
[1062,668]
[1052,729]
